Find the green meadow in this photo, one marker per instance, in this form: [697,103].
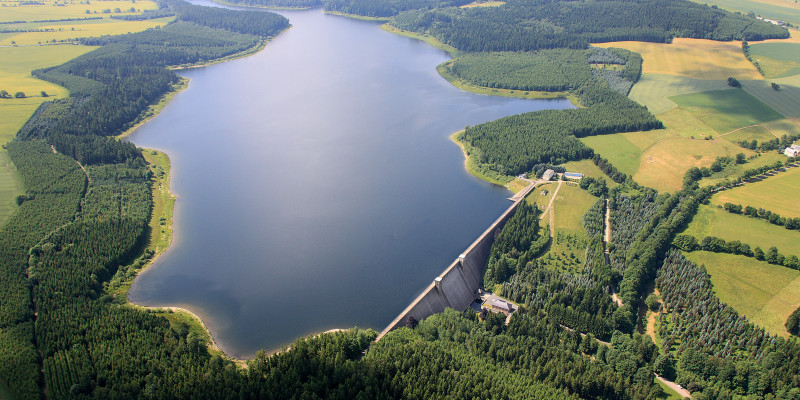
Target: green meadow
[765,293]
[777,60]
[616,148]
[655,90]
[782,199]
[786,100]
[714,221]
[774,9]
[726,110]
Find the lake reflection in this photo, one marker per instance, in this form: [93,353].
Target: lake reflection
[317,185]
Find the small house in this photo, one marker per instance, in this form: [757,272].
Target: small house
[502,306]
[792,151]
[547,175]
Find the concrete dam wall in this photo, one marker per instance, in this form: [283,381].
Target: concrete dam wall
[457,286]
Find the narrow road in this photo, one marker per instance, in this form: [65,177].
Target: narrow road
[607,236]
[551,210]
[674,386]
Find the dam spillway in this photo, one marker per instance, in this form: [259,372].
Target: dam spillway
[457,286]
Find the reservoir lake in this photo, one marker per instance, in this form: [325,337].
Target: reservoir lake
[317,186]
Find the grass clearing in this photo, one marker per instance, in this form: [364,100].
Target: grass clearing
[617,149]
[654,90]
[571,204]
[536,197]
[765,293]
[786,100]
[10,187]
[777,60]
[726,110]
[566,252]
[587,168]
[714,221]
[782,189]
[484,3]
[693,58]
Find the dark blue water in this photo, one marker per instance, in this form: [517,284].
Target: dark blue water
[317,185]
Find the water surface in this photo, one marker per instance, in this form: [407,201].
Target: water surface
[317,185]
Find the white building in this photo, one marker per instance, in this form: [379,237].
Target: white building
[792,151]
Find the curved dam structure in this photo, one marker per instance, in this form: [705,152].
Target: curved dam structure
[457,286]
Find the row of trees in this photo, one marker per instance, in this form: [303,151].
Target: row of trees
[772,217]
[718,245]
[720,353]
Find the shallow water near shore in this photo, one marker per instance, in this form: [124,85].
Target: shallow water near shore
[317,185]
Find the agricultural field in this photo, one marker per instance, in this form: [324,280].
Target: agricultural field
[40,22]
[654,90]
[664,164]
[782,198]
[714,221]
[784,10]
[15,66]
[693,58]
[777,60]
[623,154]
[726,110]
[765,293]
[786,100]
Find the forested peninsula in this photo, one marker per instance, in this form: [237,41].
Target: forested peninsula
[84,219]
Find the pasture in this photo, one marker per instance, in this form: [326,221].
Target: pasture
[617,149]
[777,60]
[693,58]
[484,3]
[570,205]
[786,100]
[713,221]
[726,110]
[654,90]
[566,252]
[782,199]
[765,293]
[664,164]
[774,9]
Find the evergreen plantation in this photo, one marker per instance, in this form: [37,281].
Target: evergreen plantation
[88,201]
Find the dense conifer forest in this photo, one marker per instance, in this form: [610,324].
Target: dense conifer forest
[84,218]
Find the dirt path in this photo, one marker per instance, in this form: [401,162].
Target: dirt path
[752,126]
[674,386]
[550,210]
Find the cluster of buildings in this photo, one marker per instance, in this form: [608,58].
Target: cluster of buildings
[792,151]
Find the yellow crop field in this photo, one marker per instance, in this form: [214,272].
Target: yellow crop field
[782,189]
[69,31]
[16,11]
[693,58]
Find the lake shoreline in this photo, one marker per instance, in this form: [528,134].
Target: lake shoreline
[168,213]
